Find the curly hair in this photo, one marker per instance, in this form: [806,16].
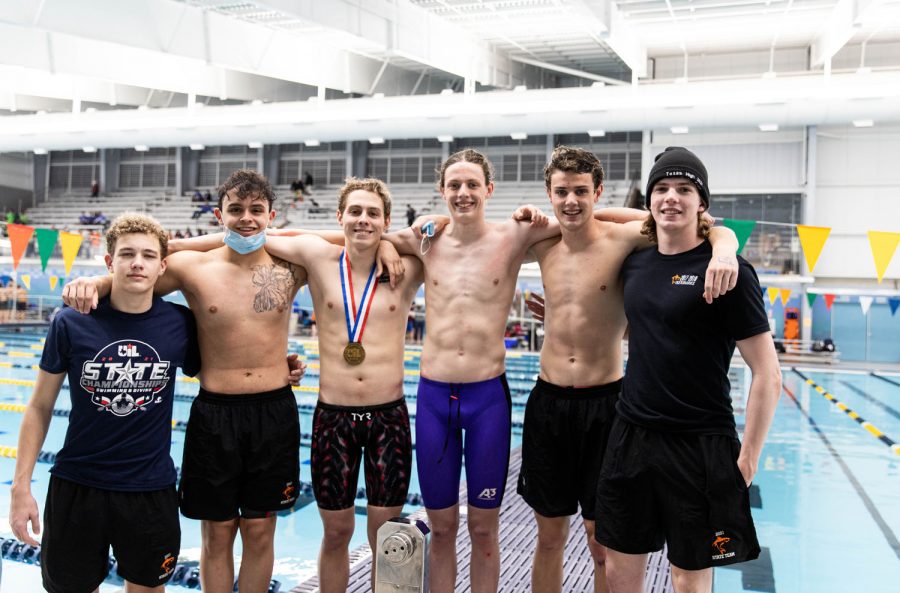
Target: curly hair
[134,222]
[469,155]
[569,159]
[649,228]
[248,183]
[376,186]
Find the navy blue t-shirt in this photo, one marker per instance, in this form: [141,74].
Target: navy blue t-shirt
[121,370]
[680,347]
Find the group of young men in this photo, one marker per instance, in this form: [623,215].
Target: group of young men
[673,471]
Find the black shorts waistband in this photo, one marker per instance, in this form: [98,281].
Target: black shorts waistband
[361,409]
[592,392]
[242,399]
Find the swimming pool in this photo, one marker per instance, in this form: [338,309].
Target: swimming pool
[826,498]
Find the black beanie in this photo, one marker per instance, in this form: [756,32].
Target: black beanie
[677,161]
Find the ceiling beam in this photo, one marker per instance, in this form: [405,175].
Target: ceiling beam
[847,17]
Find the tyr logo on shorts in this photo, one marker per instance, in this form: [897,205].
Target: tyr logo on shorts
[361,416]
[488,494]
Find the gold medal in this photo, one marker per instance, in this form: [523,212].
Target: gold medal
[354,353]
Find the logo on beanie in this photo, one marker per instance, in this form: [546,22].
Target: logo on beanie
[688,174]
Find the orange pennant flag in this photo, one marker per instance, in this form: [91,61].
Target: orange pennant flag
[53,282]
[773,294]
[19,236]
[883,246]
[70,242]
[829,300]
[812,240]
[785,295]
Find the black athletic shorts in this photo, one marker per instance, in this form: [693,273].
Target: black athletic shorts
[241,455]
[564,438]
[340,433]
[81,523]
[682,489]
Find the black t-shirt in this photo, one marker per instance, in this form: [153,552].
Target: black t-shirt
[680,347]
[121,370]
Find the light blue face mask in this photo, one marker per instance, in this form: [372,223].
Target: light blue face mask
[242,244]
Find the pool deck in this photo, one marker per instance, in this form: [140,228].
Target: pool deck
[518,532]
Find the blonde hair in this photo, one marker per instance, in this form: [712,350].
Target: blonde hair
[376,186]
[134,222]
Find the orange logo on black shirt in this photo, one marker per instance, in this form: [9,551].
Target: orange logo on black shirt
[685,279]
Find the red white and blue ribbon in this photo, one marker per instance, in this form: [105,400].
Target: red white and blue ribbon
[356,316]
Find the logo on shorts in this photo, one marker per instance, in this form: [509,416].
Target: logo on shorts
[686,280]
[125,376]
[289,494]
[719,545]
[488,494]
[361,416]
[167,566]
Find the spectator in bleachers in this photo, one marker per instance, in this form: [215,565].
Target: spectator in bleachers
[207,197]
[95,188]
[308,180]
[299,189]
[201,210]
[410,215]
[197,197]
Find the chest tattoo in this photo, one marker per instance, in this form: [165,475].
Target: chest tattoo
[274,283]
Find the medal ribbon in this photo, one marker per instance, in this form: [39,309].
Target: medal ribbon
[356,317]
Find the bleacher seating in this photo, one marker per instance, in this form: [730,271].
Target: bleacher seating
[175,212]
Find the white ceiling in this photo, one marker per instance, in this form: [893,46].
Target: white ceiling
[69,56]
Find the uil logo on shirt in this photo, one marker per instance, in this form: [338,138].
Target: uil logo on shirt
[125,376]
[684,279]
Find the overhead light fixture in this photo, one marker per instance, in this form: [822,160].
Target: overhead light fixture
[376,140]
[197,147]
[679,129]
[90,110]
[519,88]
[445,138]
[768,127]
[598,84]
[447,92]
[681,80]
[863,123]
[378,96]
[256,102]
[311,143]
[254,145]
[769,74]
[518,136]
[40,151]
[143,108]
[89,149]
[142,148]
[596,133]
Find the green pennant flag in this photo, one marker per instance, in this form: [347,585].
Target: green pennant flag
[46,239]
[741,228]
[811,298]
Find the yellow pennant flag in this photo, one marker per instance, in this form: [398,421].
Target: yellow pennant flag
[26,280]
[785,295]
[812,240]
[70,242]
[54,280]
[773,294]
[883,246]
